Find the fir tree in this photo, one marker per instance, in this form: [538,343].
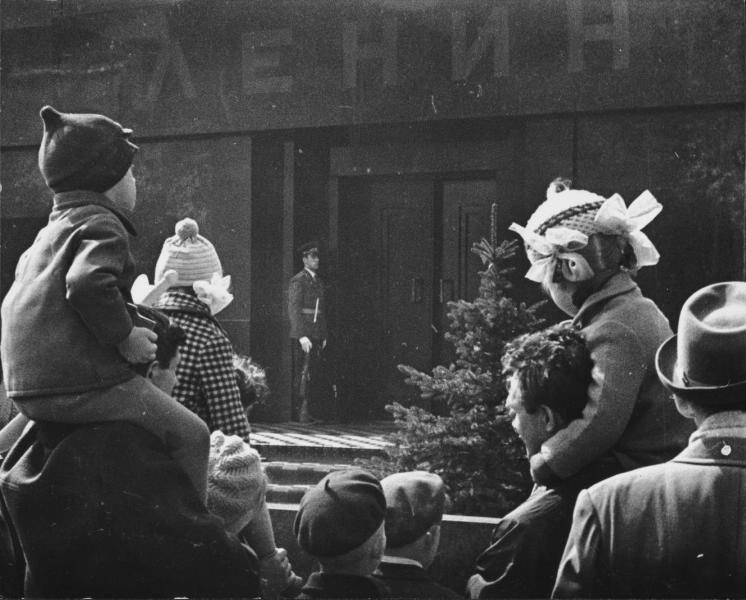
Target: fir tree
[472,446]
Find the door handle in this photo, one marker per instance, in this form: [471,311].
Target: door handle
[417,289]
[446,290]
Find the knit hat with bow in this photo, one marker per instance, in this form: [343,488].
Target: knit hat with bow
[236,483]
[563,225]
[188,253]
[83,151]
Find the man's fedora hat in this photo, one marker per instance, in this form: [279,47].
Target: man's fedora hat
[706,361]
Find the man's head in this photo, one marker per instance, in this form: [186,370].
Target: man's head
[86,152]
[548,372]
[415,502]
[310,254]
[236,483]
[162,371]
[340,522]
[704,364]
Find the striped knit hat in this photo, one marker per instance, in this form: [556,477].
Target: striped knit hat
[236,483]
[564,207]
[192,256]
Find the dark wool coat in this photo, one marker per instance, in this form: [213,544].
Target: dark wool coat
[411,581]
[522,558]
[303,292]
[207,380]
[102,510]
[675,530]
[337,585]
[66,310]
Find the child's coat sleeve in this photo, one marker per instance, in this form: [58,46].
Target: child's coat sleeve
[95,278]
[619,368]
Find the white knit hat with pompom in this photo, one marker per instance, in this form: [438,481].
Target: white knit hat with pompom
[188,253]
[236,483]
[565,207]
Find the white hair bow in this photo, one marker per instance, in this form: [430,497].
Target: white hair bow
[614,217]
[556,244]
[215,292]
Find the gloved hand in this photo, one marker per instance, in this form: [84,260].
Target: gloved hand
[275,572]
[306,344]
[139,346]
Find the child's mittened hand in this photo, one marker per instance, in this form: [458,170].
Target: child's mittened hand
[275,572]
[139,346]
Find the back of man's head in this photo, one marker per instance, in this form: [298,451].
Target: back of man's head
[553,368]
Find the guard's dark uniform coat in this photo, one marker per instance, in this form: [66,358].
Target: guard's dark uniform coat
[303,292]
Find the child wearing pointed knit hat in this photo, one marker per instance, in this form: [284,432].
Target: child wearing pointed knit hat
[584,250]
[69,333]
[236,488]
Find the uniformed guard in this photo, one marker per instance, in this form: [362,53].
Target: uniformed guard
[307,313]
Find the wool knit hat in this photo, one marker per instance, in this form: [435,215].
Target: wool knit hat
[236,483]
[340,513]
[415,501]
[188,253]
[83,151]
[561,227]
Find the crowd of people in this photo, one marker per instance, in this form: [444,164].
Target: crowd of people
[128,469]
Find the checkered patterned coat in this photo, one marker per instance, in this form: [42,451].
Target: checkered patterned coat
[207,380]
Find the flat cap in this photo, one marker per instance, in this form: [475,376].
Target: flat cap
[339,513]
[415,501]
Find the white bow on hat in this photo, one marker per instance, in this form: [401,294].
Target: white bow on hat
[557,243]
[215,292]
[614,217]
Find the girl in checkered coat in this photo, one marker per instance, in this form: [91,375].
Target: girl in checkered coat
[198,291]
[584,249]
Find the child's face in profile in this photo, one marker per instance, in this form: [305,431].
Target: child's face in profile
[529,426]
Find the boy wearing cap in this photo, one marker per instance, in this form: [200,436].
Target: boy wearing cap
[197,292]
[307,314]
[68,337]
[340,523]
[676,530]
[414,510]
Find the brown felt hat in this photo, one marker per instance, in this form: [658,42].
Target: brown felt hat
[706,360]
[415,501]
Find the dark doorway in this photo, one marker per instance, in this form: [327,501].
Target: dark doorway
[404,252]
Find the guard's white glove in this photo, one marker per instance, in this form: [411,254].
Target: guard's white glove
[306,344]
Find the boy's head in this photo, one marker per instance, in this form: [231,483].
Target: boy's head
[415,502]
[162,371]
[340,521]
[236,483]
[576,240]
[549,372]
[83,151]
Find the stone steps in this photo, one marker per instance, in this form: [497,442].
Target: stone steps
[297,456]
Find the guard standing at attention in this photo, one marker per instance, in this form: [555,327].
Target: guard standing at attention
[307,313]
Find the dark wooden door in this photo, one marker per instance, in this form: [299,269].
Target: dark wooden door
[466,205]
[402,223]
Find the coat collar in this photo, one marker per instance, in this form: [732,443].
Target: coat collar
[184,302]
[720,439]
[621,283]
[63,200]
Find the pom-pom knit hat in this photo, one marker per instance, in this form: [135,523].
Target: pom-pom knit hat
[83,151]
[236,483]
[188,253]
